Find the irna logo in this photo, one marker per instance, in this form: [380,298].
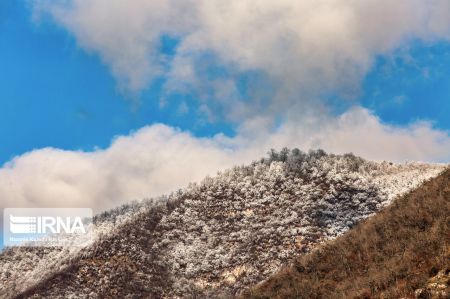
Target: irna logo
[47,227]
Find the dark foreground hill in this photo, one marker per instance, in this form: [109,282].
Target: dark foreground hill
[216,238]
[402,252]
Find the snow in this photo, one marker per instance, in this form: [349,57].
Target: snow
[232,230]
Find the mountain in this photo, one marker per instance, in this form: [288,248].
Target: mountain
[402,252]
[217,238]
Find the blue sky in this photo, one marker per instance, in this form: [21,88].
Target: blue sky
[411,86]
[380,89]
[52,93]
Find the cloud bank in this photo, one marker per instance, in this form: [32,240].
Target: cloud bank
[300,49]
[158,159]
[299,44]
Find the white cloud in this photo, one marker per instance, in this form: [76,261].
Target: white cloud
[300,44]
[151,161]
[157,159]
[302,47]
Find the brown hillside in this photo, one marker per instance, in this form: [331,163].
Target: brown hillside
[397,253]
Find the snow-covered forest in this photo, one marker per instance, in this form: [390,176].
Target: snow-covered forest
[217,236]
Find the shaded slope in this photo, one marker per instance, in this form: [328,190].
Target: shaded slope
[390,255]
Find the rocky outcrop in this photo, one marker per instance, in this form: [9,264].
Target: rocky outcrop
[438,287]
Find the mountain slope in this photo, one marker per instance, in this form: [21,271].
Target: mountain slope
[218,237]
[402,252]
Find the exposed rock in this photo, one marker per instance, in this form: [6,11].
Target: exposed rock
[438,287]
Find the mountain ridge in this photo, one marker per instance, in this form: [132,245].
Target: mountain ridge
[218,237]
